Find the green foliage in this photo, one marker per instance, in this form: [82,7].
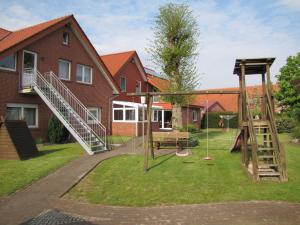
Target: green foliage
[57,133]
[287,96]
[214,118]
[190,128]
[296,131]
[174,48]
[39,140]
[285,124]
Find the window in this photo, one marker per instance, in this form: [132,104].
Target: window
[64,69]
[123,84]
[84,74]
[96,113]
[138,87]
[155,116]
[29,113]
[66,38]
[8,63]
[129,114]
[156,98]
[195,115]
[118,114]
[141,114]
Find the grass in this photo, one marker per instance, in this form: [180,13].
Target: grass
[15,174]
[188,180]
[118,139]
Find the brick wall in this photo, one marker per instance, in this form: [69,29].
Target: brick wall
[50,49]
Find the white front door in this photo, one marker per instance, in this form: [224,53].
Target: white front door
[29,68]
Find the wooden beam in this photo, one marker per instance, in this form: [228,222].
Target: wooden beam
[149,145]
[184,93]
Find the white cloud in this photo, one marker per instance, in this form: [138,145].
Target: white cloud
[291,4]
[229,30]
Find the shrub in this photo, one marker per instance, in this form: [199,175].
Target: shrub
[193,141]
[214,118]
[190,128]
[285,124]
[296,131]
[57,133]
[39,140]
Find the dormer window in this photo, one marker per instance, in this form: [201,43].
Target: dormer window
[66,38]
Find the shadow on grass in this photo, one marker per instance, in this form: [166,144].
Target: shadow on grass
[171,155]
[50,151]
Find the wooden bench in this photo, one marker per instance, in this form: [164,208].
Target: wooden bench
[174,137]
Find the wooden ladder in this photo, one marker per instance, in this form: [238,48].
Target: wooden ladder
[267,160]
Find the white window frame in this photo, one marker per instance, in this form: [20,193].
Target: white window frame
[68,39]
[153,115]
[98,115]
[122,77]
[69,75]
[194,114]
[9,69]
[139,85]
[83,75]
[22,106]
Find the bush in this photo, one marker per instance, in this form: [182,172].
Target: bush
[214,118]
[57,133]
[190,128]
[285,124]
[296,131]
[193,141]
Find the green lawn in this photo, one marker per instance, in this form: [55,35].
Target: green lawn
[15,174]
[175,180]
[118,139]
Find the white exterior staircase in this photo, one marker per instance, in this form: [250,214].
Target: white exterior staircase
[84,127]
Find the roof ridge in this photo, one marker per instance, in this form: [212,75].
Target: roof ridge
[118,53]
[47,21]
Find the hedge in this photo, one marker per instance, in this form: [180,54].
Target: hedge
[214,118]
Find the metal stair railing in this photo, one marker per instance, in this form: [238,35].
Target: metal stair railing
[74,113]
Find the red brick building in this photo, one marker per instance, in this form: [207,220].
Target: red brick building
[127,112]
[61,46]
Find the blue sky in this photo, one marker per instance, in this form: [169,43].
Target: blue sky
[228,29]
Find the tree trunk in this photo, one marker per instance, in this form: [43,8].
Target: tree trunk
[176,117]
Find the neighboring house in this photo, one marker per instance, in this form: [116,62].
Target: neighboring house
[127,112]
[61,46]
[229,102]
[191,114]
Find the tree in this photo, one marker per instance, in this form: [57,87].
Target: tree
[174,51]
[287,96]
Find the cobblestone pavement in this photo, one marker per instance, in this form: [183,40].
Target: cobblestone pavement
[240,213]
[40,203]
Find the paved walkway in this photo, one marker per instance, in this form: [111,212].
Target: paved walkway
[40,203]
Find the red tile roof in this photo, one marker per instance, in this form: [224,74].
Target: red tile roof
[160,83]
[3,33]
[18,36]
[164,105]
[229,101]
[114,62]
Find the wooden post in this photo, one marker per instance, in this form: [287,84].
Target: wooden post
[149,133]
[269,85]
[263,100]
[244,114]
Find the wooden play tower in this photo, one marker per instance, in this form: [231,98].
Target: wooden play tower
[262,153]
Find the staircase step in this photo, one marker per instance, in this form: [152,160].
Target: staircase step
[269,174]
[265,149]
[265,156]
[264,166]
